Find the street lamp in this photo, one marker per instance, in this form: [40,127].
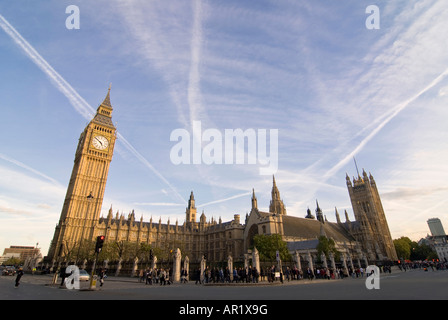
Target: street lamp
[89,200]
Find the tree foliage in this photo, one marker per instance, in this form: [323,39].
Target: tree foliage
[268,245]
[13,261]
[411,250]
[403,247]
[327,246]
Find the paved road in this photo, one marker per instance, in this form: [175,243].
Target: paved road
[411,285]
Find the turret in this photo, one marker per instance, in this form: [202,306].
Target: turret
[254,200]
[190,213]
[347,180]
[319,214]
[109,215]
[372,181]
[309,215]
[338,219]
[364,175]
[276,205]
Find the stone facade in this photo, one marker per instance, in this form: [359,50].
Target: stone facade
[368,237]
[216,239]
[85,192]
[372,230]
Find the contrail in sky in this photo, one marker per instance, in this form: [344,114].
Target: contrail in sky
[226,199]
[395,111]
[194,77]
[81,106]
[24,166]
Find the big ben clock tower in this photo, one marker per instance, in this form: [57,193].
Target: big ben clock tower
[83,201]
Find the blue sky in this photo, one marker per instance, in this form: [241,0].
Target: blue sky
[312,70]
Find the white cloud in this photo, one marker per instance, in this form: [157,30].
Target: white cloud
[443,91]
[80,105]
[332,90]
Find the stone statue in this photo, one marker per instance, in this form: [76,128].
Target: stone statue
[177,256]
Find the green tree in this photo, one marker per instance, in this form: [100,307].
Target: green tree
[143,251]
[13,261]
[115,250]
[327,246]
[268,245]
[411,250]
[403,247]
[422,252]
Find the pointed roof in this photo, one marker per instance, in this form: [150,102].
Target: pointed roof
[254,200]
[276,205]
[275,193]
[319,213]
[191,204]
[346,216]
[104,112]
[106,101]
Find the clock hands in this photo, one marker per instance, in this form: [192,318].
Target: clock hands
[100,142]
[96,138]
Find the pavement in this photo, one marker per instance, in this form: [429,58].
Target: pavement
[398,285]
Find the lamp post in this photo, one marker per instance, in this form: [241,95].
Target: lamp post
[89,200]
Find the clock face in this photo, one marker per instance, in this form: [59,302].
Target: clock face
[100,142]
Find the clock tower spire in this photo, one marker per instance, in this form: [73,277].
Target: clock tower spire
[83,201]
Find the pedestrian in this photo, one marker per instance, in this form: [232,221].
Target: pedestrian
[63,275]
[309,272]
[162,277]
[169,276]
[102,277]
[198,276]
[149,276]
[183,276]
[255,275]
[18,277]
[141,275]
[235,275]
[287,273]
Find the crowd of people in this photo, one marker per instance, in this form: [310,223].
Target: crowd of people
[252,275]
[159,276]
[425,265]
[224,275]
[249,274]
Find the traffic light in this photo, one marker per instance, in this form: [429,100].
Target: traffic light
[99,243]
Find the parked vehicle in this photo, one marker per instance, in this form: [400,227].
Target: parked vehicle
[9,271]
[84,276]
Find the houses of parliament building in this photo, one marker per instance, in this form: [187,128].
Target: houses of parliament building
[367,238]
